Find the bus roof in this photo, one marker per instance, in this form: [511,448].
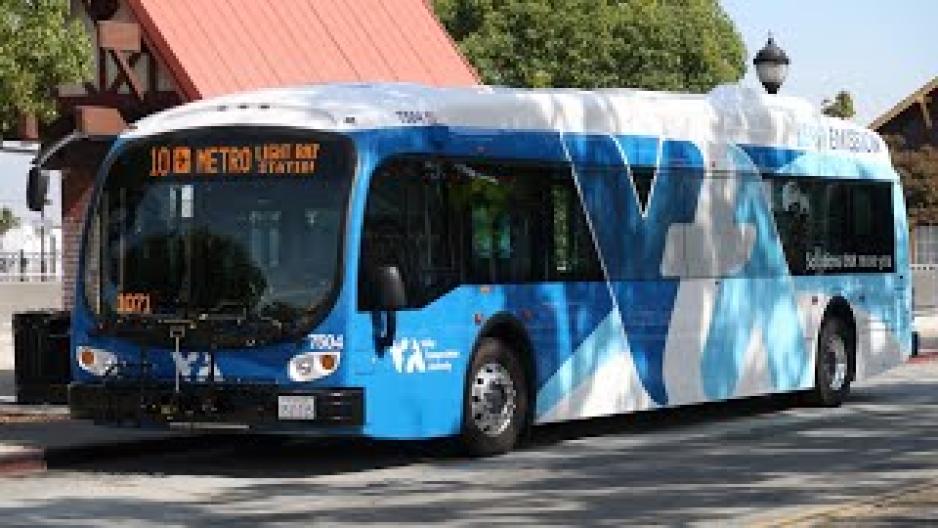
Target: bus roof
[728,114]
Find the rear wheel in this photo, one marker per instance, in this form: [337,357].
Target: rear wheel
[495,400]
[832,371]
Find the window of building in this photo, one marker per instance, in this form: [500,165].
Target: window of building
[926,244]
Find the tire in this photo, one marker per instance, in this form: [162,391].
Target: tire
[832,370]
[495,400]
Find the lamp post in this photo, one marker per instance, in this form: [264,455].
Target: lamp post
[771,66]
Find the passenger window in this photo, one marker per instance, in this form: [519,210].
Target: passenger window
[834,226]
[407,225]
[573,251]
[448,222]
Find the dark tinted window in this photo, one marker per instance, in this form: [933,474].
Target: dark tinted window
[573,255]
[221,222]
[834,226]
[447,222]
[408,225]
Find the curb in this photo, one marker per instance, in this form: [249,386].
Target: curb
[828,514]
[33,460]
[924,356]
[29,460]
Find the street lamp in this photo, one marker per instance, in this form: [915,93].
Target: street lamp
[771,66]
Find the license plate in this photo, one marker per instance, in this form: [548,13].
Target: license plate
[296,407]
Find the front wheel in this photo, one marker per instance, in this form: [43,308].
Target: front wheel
[495,400]
[832,374]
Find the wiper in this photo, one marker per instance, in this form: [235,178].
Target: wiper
[246,320]
[226,311]
[228,324]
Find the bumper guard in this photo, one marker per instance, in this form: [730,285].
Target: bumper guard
[254,405]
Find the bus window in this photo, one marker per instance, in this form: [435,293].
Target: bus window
[573,252]
[833,226]
[407,225]
[444,223]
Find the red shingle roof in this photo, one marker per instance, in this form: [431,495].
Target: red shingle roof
[214,47]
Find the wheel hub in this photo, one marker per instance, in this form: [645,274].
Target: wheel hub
[494,399]
[836,362]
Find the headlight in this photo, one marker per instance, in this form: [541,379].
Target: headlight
[95,360]
[313,365]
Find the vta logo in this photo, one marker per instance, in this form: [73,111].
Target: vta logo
[413,350]
[195,366]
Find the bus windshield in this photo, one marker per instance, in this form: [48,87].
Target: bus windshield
[229,224]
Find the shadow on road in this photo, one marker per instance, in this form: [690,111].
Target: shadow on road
[278,456]
[669,467]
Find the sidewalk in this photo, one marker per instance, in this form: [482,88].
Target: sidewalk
[915,506]
[31,436]
[31,446]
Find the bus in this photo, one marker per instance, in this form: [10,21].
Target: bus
[404,262]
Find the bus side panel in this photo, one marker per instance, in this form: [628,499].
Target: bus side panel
[876,299]
[414,388]
[737,327]
[885,306]
[416,385]
[626,352]
[670,328]
[903,287]
[737,330]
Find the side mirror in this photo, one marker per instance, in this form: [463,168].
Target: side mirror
[386,294]
[37,187]
[388,291]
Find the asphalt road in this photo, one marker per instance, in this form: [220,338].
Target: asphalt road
[752,462]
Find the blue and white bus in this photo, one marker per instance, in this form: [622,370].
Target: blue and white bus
[398,261]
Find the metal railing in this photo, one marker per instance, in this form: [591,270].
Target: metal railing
[24,266]
[925,288]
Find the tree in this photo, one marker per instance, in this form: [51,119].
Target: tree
[918,169]
[841,106]
[40,48]
[653,44]
[8,220]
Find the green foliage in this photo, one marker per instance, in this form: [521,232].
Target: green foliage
[918,169]
[841,106]
[40,48]
[8,220]
[689,45]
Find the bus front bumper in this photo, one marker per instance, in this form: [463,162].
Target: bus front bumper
[255,406]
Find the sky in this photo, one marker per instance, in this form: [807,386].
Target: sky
[879,50]
[14,165]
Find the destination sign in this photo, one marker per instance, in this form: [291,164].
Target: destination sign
[264,159]
[133,303]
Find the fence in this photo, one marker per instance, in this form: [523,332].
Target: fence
[23,266]
[925,287]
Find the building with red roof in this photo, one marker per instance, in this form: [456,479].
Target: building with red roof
[155,54]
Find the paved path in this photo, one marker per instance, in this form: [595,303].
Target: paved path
[745,463]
